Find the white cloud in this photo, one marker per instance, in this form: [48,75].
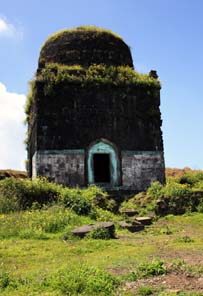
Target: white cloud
[9,30]
[12,129]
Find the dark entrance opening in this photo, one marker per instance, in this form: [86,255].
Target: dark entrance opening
[101,167]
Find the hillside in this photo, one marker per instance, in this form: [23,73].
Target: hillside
[12,173]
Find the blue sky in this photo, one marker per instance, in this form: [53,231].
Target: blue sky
[163,35]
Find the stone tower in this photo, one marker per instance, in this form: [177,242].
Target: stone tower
[92,119]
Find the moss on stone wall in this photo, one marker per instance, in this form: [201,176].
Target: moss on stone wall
[30,97]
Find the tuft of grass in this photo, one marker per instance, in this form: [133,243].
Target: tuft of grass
[147,269]
[145,290]
[185,239]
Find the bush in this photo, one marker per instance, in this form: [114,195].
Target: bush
[22,193]
[40,224]
[179,195]
[84,280]
[154,268]
[104,215]
[155,190]
[185,239]
[7,281]
[129,205]
[75,200]
[79,279]
[191,178]
[145,290]
[100,233]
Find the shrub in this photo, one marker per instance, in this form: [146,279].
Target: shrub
[80,279]
[179,195]
[156,267]
[101,233]
[147,269]
[6,281]
[22,193]
[191,178]
[130,204]
[84,280]
[185,239]
[174,190]
[39,224]
[104,215]
[145,290]
[155,190]
[75,200]
[98,198]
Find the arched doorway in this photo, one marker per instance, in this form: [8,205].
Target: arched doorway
[102,163]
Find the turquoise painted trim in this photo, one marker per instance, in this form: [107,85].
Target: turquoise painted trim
[135,152]
[67,151]
[102,147]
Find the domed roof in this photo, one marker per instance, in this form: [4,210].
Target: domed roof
[85,46]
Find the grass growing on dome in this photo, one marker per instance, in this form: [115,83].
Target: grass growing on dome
[86,29]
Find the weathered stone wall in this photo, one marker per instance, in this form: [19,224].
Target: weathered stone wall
[64,167]
[85,48]
[139,169]
[73,116]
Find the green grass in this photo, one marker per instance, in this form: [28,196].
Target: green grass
[40,256]
[29,264]
[145,290]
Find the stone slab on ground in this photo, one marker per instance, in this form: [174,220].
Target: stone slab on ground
[85,229]
[144,220]
[131,227]
[129,212]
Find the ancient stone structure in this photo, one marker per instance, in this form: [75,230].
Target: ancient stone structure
[91,118]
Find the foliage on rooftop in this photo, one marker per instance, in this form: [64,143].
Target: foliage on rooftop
[54,74]
[98,74]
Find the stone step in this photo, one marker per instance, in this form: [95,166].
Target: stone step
[129,212]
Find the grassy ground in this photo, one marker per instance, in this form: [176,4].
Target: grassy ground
[39,257]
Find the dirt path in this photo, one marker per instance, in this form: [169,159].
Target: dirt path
[171,282]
